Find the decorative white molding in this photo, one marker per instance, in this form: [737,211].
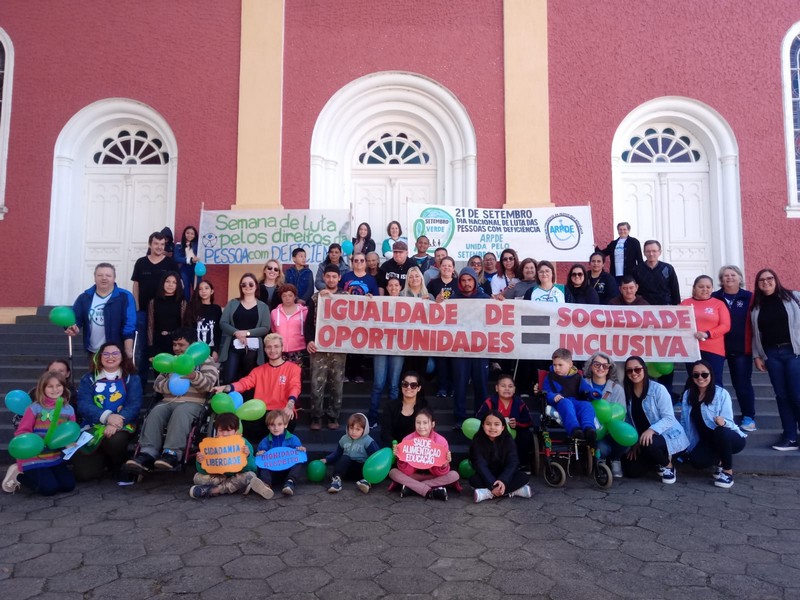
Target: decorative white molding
[716,136]
[5,115]
[392,99]
[793,205]
[72,155]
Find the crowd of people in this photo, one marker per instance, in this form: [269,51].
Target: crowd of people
[262,339]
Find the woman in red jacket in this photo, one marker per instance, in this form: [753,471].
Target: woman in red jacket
[713,321]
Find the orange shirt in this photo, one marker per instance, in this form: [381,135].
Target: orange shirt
[711,316]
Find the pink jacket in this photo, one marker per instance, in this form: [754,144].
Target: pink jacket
[406,468]
[290,327]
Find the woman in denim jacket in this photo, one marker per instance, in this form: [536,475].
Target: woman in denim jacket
[650,412]
[707,418]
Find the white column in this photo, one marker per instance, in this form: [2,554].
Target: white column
[730,203]
[57,276]
[471,176]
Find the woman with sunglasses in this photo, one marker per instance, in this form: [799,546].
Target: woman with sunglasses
[397,420]
[578,290]
[109,399]
[271,280]
[707,418]
[650,412]
[507,273]
[601,373]
[776,348]
[713,321]
[244,323]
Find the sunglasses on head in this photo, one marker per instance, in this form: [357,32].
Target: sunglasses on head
[410,384]
[701,375]
[634,370]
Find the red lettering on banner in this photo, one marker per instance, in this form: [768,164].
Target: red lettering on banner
[500,315]
[622,346]
[603,318]
[508,341]
[326,335]
[375,339]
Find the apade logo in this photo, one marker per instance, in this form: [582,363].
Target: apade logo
[563,231]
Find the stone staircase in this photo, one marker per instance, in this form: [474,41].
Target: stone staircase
[28,345]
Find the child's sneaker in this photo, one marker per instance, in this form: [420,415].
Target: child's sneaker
[748,424]
[10,482]
[260,488]
[200,491]
[168,460]
[363,485]
[481,494]
[405,492]
[336,485]
[717,472]
[668,475]
[725,480]
[288,488]
[437,493]
[523,492]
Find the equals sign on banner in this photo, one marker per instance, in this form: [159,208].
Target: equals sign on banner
[529,337]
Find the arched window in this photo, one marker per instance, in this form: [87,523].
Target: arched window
[790,63]
[126,148]
[6,73]
[663,146]
[394,149]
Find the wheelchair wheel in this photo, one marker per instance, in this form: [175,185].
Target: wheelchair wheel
[554,474]
[536,457]
[602,475]
[587,460]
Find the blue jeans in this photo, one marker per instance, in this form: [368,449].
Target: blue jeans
[48,481]
[465,369]
[783,366]
[386,369]
[741,367]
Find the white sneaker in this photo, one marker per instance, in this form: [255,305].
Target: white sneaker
[10,483]
[717,472]
[481,494]
[668,475]
[523,492]
[260,488]
[616,469]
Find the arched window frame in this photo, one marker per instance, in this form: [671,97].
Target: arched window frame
[5,114]
[790,67]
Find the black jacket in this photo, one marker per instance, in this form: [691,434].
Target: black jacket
[632,256]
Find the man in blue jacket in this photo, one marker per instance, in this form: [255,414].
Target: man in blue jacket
[105,313]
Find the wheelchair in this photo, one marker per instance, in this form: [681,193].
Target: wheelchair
[555,452]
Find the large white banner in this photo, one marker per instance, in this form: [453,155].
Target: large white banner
[511,329]
[241,237]
[557,234]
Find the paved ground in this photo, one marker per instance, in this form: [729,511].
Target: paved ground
[638,539]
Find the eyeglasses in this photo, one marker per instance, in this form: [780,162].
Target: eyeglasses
[247,284]
[576,274]
[701,375]
[115,354]
[272,269]
[410,384]
[766,279]
[505,258]
[358,260]
[601,366]
[634,370]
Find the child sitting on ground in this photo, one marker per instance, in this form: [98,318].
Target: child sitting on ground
[216,484]
[493,455]
[429,483]
[46,473]
[569,394]
[515,414]
[353,449]
[278,437]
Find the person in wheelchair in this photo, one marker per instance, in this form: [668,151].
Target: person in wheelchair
[176,414]
[570,394]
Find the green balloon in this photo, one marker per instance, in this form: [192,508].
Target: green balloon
[316,471]
[252,410]
[64,435]
[470,427]
[667,368]
[63,316]
[26,445]
[199,351]
[602,410]
[601,432]
[618,412]
[465,469]
[513,432]
[376,467]
[654,370]
[183,364]
[222,403]
[162,363]
[623,433]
